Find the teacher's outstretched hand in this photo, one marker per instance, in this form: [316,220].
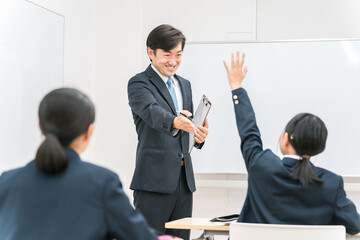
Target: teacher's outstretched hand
[236,73]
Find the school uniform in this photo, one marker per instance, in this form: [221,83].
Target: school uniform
[83,202]
[273,196]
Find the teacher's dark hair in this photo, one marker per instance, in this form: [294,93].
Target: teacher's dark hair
[64,114]
[165,37]
[307,134]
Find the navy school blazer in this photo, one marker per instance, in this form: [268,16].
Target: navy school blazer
[84,202]
[273,196]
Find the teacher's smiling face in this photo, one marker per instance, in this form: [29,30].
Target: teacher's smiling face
[166,62]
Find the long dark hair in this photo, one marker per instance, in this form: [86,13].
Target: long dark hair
[64,114]
[307,134]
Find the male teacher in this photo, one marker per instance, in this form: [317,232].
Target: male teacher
[163,180]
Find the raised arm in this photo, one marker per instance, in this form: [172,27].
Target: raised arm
[251,144]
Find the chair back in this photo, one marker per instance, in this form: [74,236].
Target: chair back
[255,231]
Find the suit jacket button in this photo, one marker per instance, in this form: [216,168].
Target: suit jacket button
[236,102]
[235,97]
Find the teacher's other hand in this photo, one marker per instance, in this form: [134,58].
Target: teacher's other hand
[201,132]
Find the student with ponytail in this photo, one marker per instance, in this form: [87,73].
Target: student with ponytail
[59,196]
[290,190]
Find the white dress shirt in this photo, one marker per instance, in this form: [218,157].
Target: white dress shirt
[177,88]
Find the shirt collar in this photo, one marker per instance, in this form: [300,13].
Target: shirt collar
[163,77]
[72,155]
[297,157]
[290,161]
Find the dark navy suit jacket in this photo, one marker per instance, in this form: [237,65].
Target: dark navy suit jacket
[273,196]
[84,202]
[159,153]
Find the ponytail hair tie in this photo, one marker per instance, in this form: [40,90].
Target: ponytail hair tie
[307,157]
[54,132]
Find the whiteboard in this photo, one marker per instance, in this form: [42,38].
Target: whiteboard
[32,63]
[284,78]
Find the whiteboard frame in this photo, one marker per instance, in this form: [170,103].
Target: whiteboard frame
[273,41]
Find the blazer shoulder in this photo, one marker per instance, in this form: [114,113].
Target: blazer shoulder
[331,180]
[327,174]
[11,178]
[182,79]
[139,77]
[96,170]
[16,171]
[266,161]
[142,76]
[5,176]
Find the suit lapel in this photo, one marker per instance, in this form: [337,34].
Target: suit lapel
[161,86]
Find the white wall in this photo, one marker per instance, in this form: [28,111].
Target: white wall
[119,51]
[79,40]
[79,47]
[307,19]
[201,20]
[31,60]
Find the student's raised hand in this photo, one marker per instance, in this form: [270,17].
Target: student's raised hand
[236,73]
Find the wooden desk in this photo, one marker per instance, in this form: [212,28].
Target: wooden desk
[210,229]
